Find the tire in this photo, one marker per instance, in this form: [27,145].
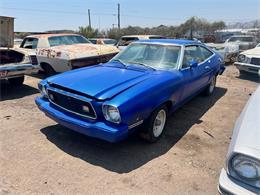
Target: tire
[211,87]
[49,71]
[152,129]
[17,81]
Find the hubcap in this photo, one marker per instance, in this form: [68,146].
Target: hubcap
[212,85]
[159,123]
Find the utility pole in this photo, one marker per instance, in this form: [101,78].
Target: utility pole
[118,15]
[89,20]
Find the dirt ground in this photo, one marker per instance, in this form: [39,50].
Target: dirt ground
[37,156]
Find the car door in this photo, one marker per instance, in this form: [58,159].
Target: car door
[194,78]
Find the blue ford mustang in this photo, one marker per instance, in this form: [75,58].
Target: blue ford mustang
[139,87]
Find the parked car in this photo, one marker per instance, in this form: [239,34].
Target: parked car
[103,41]
[62,52]
[139,86]
[249,61]
[14,65]
[126,40]
[229,51]
[244,42]
[241,174]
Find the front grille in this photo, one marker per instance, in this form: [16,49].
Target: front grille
[34,60]
[77,63]
[72,104]
[255,61]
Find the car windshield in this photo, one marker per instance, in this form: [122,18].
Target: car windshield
[124,41]
[154,55]
[109,41]
[241,39]
[67,40]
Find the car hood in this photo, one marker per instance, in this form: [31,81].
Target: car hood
[100,82]
[77,51]
[252,52]
[246,134]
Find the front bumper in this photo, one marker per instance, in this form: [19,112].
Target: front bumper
[248,67]
[98,130]
[230,186]
[11,71]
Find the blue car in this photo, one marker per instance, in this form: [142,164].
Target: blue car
[140,86]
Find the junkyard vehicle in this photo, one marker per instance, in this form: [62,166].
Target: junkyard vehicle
[126,40]
[241,174]
[62,52]
[103,41]
[14,65]
[140,85]
[244,42]
[249,61]
[229,51]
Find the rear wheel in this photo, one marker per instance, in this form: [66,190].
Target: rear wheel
[155,124]
[17,81]
[49,71]
[211,87]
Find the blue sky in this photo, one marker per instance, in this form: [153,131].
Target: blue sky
[42,15]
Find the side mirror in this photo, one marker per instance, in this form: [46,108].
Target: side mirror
[193,64]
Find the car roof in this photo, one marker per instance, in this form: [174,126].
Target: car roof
[170,41]
[50,35]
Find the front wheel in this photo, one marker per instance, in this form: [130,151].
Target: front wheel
[211,87]
[49,71]
[155,124]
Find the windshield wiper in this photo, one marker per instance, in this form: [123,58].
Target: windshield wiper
[120,61]
[142,64]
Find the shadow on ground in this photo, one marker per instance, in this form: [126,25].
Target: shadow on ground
[250,77]
[128,155]
[9,92]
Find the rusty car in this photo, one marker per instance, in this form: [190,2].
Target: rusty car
[62,52]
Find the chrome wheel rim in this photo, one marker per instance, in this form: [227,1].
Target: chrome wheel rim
[212,85]
[159,123]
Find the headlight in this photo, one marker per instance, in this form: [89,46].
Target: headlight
[42,90]
[111,113]
[246,169]
[242,58]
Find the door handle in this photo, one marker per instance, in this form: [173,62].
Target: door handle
[207,68]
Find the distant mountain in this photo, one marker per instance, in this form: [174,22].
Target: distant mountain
[249,24]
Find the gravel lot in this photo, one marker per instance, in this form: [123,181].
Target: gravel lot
[37,156]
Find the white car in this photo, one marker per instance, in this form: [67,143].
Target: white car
[62,52]
[124,41]
[241,174]
[249,61]
[229,51]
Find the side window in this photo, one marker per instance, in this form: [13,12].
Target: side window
[29,43]
[191,53]
[205,53]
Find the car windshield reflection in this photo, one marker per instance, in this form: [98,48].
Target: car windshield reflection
[152,55]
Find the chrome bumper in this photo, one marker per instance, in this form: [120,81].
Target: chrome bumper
[11,71]
[248,67]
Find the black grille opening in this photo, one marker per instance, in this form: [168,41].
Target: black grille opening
[255,61]
[34,60]
[72,104]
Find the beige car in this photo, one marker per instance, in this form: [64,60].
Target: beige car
[249,61]
[62,52]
